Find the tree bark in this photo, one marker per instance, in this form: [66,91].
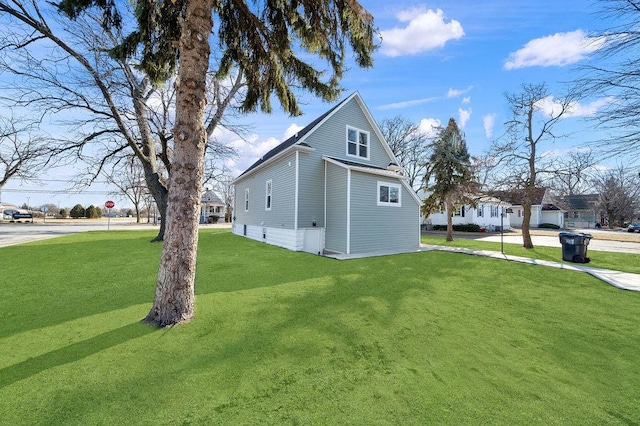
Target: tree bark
[449,221]
[174,297]
[526,220]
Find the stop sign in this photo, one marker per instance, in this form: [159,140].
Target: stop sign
[109,204]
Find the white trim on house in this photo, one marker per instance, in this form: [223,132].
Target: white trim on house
[358,143]
[305,148]
[348,211]
[310,240]
[376,129]
[268,194]
[295,147]
[379,172]
[389,202]
[295,208]
[325,194]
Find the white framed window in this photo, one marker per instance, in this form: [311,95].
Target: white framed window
[458,211]
[480,210]
[246,200]
[494,211]
[389,194]
[357,143]
[267,196]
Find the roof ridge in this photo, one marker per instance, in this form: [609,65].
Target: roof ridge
[299,135]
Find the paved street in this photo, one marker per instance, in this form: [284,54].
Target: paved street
[17,233]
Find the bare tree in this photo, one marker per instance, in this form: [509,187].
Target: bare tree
[128,177]
[570,174]
[614,74]
[619,191]
[22,153]
[106,108]
[223,187]
[519,150]
[409,144]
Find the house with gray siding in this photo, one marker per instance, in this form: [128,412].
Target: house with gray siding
[334,187]
[543,209]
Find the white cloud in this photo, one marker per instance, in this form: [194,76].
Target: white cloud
[464,116]
[406,104]
[454,93]
[551,107]
[425,30]
[249,151]
[251,148]
[466,100]
[559,49]
[291,130]
[429,126]
[489,122]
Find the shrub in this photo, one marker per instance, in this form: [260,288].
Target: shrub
[466,227]
[549,226]
[90,212]
[77,211]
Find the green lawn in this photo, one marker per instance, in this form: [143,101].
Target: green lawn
[291,338]
[625,262]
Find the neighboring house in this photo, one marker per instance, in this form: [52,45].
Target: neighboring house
[582,211]
[212,207]
[486,214]
[334,187]
[542,208]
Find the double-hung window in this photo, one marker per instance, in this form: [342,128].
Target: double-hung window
[494,211]
[480,210]
[357,143]
[246,200]
[267,198]
[389,194]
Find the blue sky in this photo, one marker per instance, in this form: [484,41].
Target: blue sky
[441,59]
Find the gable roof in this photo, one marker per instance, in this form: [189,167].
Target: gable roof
[515,196]
[298,140]
[581,202]
[375,170]
[298,137]
[211,197]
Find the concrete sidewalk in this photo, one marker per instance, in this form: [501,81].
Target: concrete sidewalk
[621,280]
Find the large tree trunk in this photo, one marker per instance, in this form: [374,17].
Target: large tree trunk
[174,298]
[449,221]
[526,220]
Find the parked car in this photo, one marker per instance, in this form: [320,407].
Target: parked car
[634,227]
[7,214]
[12,214]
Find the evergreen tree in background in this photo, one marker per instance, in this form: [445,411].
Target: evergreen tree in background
[449,179]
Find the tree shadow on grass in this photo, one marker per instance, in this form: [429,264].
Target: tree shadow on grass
[72,353]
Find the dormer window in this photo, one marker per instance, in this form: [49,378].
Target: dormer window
[357,143]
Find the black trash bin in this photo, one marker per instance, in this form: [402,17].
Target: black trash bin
[574,246]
